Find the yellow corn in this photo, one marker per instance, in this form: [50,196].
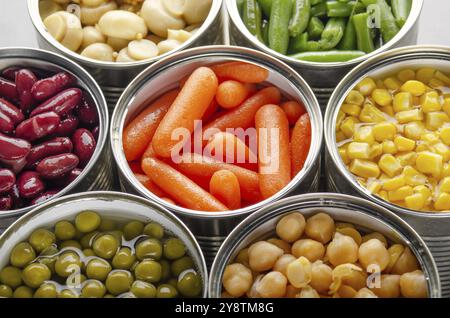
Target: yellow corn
[429,163]
[394,183]
[445,170]
[400,194]
[443,202]
[425,74]
[430,102]
[375,150]
[392,83]
[351,109]
[445,185]
[366,86]
[442,77]
[364,134]
[435,120]
[355,97]
[415,201]
[358,150]
[384,195]
[371,114]
[436,84]
[389,147]
[414,177]
[430,138]
[390,165]
[416,88]
[407,116]
[414,130]
[374,186]
[446,105]
[340,136]
[382,97]
[406,75]
[404,144]
[384,131]
[402,101]
[443,150]
[380,84]
[388,110]
[343,153]
[424,191]
[340,118]
[407,158]
[445,135]
[348,126]
[364,168]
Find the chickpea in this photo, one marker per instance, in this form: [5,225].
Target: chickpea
[272,285]
[346,292]
[91,35]
[286,247]
[353,233]
[100,52]
[291,291]
[290,227]
[407,262]
[242,257]
[283,262]
[375,235]
[365,293]
[395,251]
[237,279]
[414,285]
[253,293]
[308,248]
[226,295]
[373,252]
[299,272]
[308,292]
[343,225]
[320,227]
[389,287]
[321,277]
[263,256]
[350,275]
[341,250]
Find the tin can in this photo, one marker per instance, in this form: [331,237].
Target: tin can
[98,174]
[323,77]
[211,228]
[117,206]
[364,214]
[114,77]
[433,227]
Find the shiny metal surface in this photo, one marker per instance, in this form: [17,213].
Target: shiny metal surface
[365,215]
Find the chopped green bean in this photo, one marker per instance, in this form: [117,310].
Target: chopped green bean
[328,56]
[363,36]
[332,34]
[300,17]
[252,17]
[279,23]
[315,28]
[389,28]
[401,10]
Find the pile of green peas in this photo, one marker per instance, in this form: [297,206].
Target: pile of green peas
[95,257]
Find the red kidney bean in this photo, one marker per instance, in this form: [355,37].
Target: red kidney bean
[30,185]
[87,113]
[11,111]
[15,196]
[68,178]
[25,80]
[10,72]
[13,148]
[83,145]
[7,180]
[48,87]
[95,132]
[56,166]
[38,126]
[67,126]
[47,195]
[6,124]
[15,165]
[61,103]
[6,203]
[49,148]
[8,89]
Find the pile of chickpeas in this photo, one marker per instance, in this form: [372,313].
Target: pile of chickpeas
[321,258]
[123,30]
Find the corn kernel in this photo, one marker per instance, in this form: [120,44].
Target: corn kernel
[442,77]
[404,144]
[389,110]
[445,135]
[406,75]
[366,86]
[416,88]
[390,165]
[443,150]
[430,138]
[445,170]
[382,97]
[407,158]
[358,150]
[340,136]
[392,83]
[436,84]
[414,177]
[445,185]
[371,114]
[375,150]
[394,183]
[414,130]
[351,109]
[424,191]
[400,194]
[343,153]
[402,101]
[435,120]
[355,97]
[407,116]
[384,195]
[443,202]
[415,201]
[429,163]
[425,74]
[384,131]
[446,105]
[364,168]
[380,84]
[374,186]
[389,147]
[430,102]
[364,134]
[348,126]
[340,118]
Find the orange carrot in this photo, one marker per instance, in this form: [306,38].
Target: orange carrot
[149,152]
[293,111]
[190,105]
[212,108]
[201,166]
[149,185]
[231,94]
[135,166]
[300,143]
[139,132]
[226,146]
[273,150]
[224,186]
[180,187]
[170,201]
[240,71]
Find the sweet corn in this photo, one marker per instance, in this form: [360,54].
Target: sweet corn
[392,83]
[351,109]
[384,195]
[340,118]
[382,97]
[390,165]
[414,130]
[394,183]
[445,185]
[366,86]
[435,120]
[358,150]
[425,74]
[374,186]
[364,134]
[445,170]
[364,168]
[402,101]
[436,84]
[348,126]
[375,150]
[443,150]
[340,136]
[400,194]
[415,201]
[384,131]
[406,159]
[408,116]
[404,144]
[429,163]
[380,84]
[443,202]
[446,105]
[424,191]
[406,75]
[389,147]
[416,88]
[445,135]
[442,77]
[414,177]
[430,138]
[343,153]
[389,110]
[371,114]
[355,98]
[430,102]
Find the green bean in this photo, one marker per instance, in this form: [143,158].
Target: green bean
[240,6]
[265,31]
[368,2]
[266,7]
[315,28]
[314,2]
[319,10]
[401,10]
[279,23]
[363,36]
[332,34]
[328,56]
[300,17]
[389,28]
[348,41]
[252,18]
[337,9]
[301,44]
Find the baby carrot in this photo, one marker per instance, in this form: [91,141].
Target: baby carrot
[201,166]
[226,146]
[293,111]
[180,187]
[149,152]
[135,166]
[170,201]
[273,150]
[231,94]
[212,108]
[190,105]
[149,185]
[224,186]
[240,71]
[139,133]
[243,116]
[300,143]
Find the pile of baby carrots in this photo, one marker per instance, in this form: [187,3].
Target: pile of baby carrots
[232,95]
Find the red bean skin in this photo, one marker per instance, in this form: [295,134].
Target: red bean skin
[95,132]
[10,73]
[30,185]
[49,148]
[25,79]
[8,89]
[51,86]
[87,113]
[61,103]
[6,203]
[7,180]
[6,124]
[67,179]
[11,111]
[15,165]
[83,145]
[67,126]
[47,195]
[13,148]
[38,126]
[17,202]
[57,166]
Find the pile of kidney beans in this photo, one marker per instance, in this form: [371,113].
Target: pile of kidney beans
[48,133]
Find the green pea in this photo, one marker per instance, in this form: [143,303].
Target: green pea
[174,248]
[154,230]
[87,221]
[107,225]
[173,282]
[23,292]
[98,269]
[165,265]
[149,271]
[67,293]
[75,280]
[22,254]
[93,289]
[11,276]
[46,291]
[87,240]
[142,289]
[64,230]
[150,248]
[88,252]
[41,239]
[48,257]
[67,263]
[106,246]
[124,259]
[119,282]
[109,296]
[34,275]
[70,244]
[190,284]
[133,229]
[182,264]
[166,291]
[6,291]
